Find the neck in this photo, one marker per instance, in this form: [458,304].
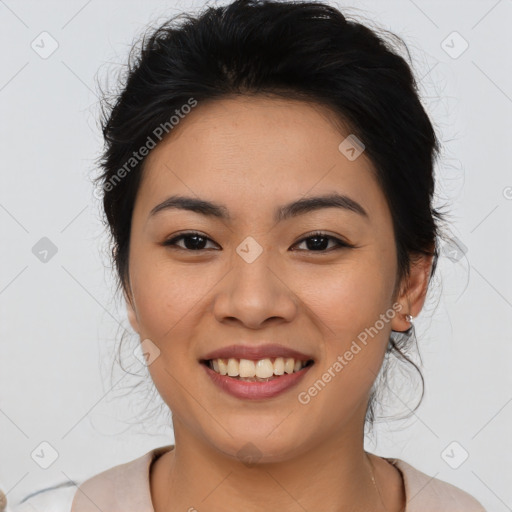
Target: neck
[332,475]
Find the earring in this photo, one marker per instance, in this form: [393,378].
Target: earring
[409,319]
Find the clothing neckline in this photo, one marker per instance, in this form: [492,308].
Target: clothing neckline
[127,487]
[156,453]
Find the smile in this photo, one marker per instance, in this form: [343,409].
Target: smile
[256,379]
[260,370]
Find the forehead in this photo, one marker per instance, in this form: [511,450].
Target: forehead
[257,151]
[268,128]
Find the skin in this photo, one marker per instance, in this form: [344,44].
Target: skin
[253,153]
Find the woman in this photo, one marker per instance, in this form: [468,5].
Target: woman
[268,183]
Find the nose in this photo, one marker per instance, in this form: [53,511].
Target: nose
[255,294]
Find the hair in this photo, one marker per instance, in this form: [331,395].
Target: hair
[307,51]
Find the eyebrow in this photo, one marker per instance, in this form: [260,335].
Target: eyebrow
[293,209]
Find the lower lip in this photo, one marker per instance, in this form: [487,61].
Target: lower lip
[256,390]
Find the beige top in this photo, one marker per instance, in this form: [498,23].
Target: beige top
[126,488]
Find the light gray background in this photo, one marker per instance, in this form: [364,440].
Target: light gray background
[59,320]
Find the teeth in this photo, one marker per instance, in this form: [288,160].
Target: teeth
[223,367]
[246,368]
[279,366]
[262,369]
[233,367]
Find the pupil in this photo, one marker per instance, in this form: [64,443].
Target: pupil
[195,245]
[317,245]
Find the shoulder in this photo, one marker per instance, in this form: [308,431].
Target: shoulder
[425,493]
[124,487]
[121,488]
[57,498]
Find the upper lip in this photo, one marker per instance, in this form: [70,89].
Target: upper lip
[256,352]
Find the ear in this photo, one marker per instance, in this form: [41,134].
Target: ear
[412,292]
[132,314]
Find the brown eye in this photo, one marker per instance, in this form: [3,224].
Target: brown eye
[319,242]
[193,241]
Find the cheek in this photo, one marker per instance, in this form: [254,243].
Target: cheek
[166,294]
[348,302]
[168,304]
[354,344]
[348,297]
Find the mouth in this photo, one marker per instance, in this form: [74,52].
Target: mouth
[257,370]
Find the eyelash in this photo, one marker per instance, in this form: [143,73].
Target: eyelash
[340,244]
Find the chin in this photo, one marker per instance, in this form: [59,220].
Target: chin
[259,448]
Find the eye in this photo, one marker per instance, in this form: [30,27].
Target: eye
[320,241]
[315,242]
[193,241]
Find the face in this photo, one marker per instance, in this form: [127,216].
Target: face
[250,278]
